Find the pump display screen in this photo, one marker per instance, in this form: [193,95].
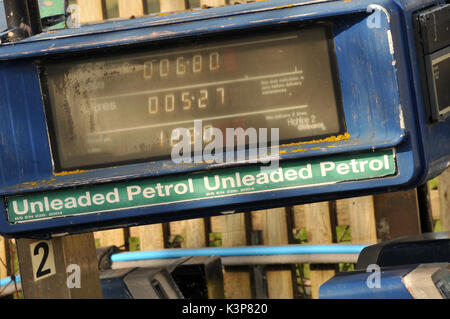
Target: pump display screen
[441,80]
[128,107]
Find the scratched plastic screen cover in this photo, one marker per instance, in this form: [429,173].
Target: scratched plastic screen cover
[128,107]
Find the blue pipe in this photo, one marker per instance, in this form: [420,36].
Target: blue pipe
[5,281]
[228,252]
[239,251]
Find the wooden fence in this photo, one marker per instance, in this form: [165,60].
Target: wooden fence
[362,220]
[365,220]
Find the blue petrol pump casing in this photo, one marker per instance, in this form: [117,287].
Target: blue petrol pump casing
[383,118]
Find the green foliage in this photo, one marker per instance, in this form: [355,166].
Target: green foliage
[300,236]
[437,226]
[134,244]
[433,183]
[215,239]
[175,241]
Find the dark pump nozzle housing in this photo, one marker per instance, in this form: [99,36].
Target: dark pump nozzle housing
[23,18]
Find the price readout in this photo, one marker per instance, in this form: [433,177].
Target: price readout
[125,108]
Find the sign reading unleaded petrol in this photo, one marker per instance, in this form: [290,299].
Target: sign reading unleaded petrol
[229,182]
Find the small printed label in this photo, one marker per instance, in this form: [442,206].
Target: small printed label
[196,186]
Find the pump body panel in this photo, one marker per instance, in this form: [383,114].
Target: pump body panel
[87,113]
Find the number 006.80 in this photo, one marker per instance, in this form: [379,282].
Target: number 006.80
[181,65]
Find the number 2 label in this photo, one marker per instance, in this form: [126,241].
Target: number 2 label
[42,259]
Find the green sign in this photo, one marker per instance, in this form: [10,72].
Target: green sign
[50,8]
[196,186]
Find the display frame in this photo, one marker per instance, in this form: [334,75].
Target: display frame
[189,41]
[375,59]
[437,113]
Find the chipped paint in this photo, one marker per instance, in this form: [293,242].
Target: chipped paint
[26,184]
[70,173]
[388,18]
[37,183]
[381,8]
[391,43]
[401,118]
[330,139]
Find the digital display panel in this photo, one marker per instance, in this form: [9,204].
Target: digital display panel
[125,108]
[441,82]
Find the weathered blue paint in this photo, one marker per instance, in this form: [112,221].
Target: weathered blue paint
[353,285]
[380,89]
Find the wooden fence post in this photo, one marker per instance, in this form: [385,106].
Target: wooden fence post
[444,199]
[319,231]
[61,268]
[90,10]
[129,8]
[362,220]
[3,259]
[397,214]
[237,282]
[172,5]
[151,237]
[113,237]
[193,233]
[273,224]
[212,3]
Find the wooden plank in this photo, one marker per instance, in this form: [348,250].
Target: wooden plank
[444,199]
[397,214]
[232,228]
[343,217]
[193,233]
[237,281]
[318,231]
[273,224]
[172,5]
[114,237]
[435,204]
[299,216]
[213,3]
[279,282]
[151,237]
[362,220]
[318,225]
[51,281]
[130,8]
[175,228]
[90,10]
[3,262]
